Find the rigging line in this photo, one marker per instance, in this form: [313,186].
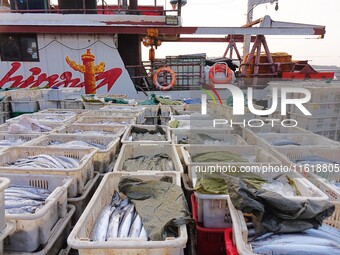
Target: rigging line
[84,48]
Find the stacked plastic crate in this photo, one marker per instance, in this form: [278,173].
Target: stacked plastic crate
[24,101]
[64,98]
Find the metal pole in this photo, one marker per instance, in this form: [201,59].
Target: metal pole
[179,7]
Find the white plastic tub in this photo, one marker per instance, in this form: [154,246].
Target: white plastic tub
[126,111]
[82,173]
[26,138]
[135,150]
[79,237]
[24,106]
[5,128]
[45,119]
[94,120]
[102,158]
[34,229]
[224,139]
[127,134]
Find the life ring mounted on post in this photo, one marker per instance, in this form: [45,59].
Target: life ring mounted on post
[164,86]
[220,68]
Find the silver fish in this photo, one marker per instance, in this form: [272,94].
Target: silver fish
[313,159]
[136,227]
[21,203]
[125,223]
[143,234]
[113,227]
[283,142]
[99,230]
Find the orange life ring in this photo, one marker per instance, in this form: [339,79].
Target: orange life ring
[220,68]
[164,86]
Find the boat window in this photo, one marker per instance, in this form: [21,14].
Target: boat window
[19,47]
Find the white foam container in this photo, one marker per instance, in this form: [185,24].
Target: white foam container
[82,173]
[102,158]
[135,150]
[127,134]
[79,237]
[34,229]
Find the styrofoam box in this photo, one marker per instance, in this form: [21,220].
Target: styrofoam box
[213,210]
[34,229]
[71,104]
[135,150]
[61,94]
[54,126]
[43,118]
[4,183]
[223,139]
[320,123]
[127,134]
[81,202]
[24,106]
[102,158]
[255,155]
[25,94]
[116,131]
[249,134]
[79,237]
[45,104]
[57,239]
[26,138]
[93,120]
[82,173]
[264,140]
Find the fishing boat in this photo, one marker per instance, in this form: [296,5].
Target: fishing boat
[98,47]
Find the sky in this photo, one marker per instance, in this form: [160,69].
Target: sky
[232,13]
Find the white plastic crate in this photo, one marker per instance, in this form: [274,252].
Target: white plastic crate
[111,114]
[226,112]
[25,138]
[213,210]
[45,104]
[71,104]
[34,229]
[164,120]
[93,120]
[253,154]
[4,183]
[45,119]
[321,123]
[193,107]
[54,126]
[322,92]
[102,158]
[82,173]
[9,228]
[61,94]
[224,139]
[319,109]
[57,239]
[334,220]
[116,131]
[309,139]
[2,117]
[93,105]
[135,150]
[79,237]
[127,134]
[151,120]
[151,110]
[127,111]
[25,94]
[165,110]
[24,106]
[81,202]
[250,134]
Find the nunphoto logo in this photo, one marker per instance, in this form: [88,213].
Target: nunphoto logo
[239,106]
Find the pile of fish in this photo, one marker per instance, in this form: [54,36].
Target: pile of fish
[202,139]
[118,220]
[322,241]
[222,156]
[24,199]
[283,142]
[147,137]
[76,144]
[158,162]
[51,119]
[315,160]
[106,122]
[45,161]
[92,132]
[11,142]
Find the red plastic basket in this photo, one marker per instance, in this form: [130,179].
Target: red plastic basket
[212,241]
